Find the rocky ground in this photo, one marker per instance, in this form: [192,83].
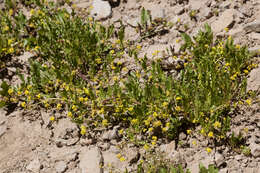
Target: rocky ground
[29,142]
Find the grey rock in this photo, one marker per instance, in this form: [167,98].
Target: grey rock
[225,5]
[158,14]
[101,10]
[60,167]
[3,129]
[225,170]
[86,141]
[197,4]
[179,10]
[110,135]
[254,50]
[235,32]
[219,159]
[168,149]
[34,166]
[238,157]
[66,129]
[67,154]
[206,13]
[133,22]
[104,146]
[255,149]
[254,79]
[255,36]
[226,20]
[90,160]
[253,26]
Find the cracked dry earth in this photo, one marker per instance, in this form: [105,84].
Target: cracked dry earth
[30,143]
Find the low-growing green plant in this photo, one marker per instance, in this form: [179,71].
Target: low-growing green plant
[80,67]
[211,169]
[149,27]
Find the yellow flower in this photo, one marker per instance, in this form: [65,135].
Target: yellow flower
[226,29]
[118,155]
[52,118]
[32,11]
[81,99]
[165,129]
[178,98]
[98,60]
[115,78]
[155,52]
[217,124]
[153,143]
[178,108]
[122,159]
[138,47]
[86,91]
[165,104]
[10,91]
[112,51]
[249,101]
[19,93]
[155,114]
[38,96]
[202,131]
[227,64]
[157,123]
[150,129]
[238,46]
[58,106]
[130,109]
[11,12]
[154,138]
[23,104]
[194,142]
[208,150]
[83,130]
[113,67]
[104,122]
[246,71]
[146,147]
[70,114]
[188,132]
[121,131]
[11,50]
[74,108]
[101,111]
[6,28]
[211,135]
[10,41]
[134,121]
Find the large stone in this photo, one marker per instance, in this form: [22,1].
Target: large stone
[197,4]
[34,166]
[254,79]
[255,36]
[101,10]
[91,160]
[60,167]
[254,50]
[226,20]
[253,26]
[255,149]
[219,159]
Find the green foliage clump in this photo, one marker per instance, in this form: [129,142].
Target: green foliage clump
[81,67]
